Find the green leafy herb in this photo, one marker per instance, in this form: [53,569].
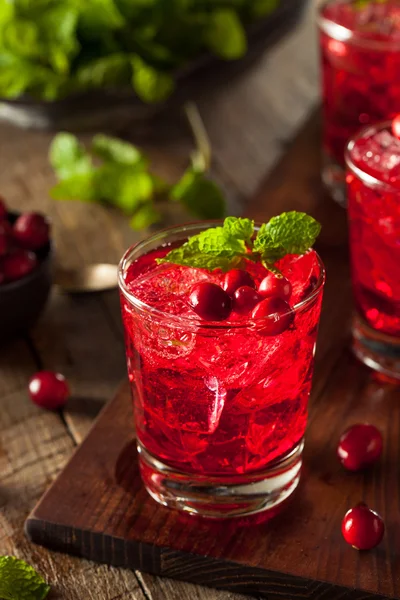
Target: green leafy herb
[19,581]
[228,246]
[53,48]
[116,173]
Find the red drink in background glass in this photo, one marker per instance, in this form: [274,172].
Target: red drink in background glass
[360,46]
[373,161]
[220,408]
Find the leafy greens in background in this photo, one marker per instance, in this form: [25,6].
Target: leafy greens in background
[52,48]
[116,173]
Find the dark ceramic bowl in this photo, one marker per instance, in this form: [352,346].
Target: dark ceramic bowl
[22,301]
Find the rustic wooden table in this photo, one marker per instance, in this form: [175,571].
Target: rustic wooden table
[250,121]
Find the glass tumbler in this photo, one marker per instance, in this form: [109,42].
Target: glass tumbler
[220,409]
[360,49]
[373,178]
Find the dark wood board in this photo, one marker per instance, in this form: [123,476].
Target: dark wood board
[98,509]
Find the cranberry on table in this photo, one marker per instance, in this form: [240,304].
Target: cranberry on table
[32,231]
[359,446]
[276,314]
[18,264]
[245,299]
[275,285]
[210,301]
[362,527]
[235,279]
[49,390]
[3,209]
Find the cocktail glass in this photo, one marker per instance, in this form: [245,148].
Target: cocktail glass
[360,47]
[373,178]
[220,408]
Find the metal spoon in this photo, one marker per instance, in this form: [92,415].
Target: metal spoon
[91,278]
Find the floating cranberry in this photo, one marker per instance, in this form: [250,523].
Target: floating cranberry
[32,231]
[210,301]
[18,264]
[276,314]
[275,285]
[396,126]
[245,299]
[359,446]
[49,390]
[362,527]
[3,210]
[235,279]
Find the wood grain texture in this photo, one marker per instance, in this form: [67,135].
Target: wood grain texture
[99,509]
[250,119]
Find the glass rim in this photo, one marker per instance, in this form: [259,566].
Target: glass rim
[341,33]
[365,177]
[186,321]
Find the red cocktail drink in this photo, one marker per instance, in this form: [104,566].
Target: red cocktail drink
[220,406]
[360,45]
[373,161]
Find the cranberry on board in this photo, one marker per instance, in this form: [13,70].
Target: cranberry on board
[3,209]
[18,264]
[245,299]
[276,315]
[210,301]
[49,390]
[362,527]
[235,279]
[32,231]
[275,285]
[359,446]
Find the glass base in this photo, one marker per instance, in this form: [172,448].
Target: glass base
[377,350]
[222,497]
[334,179]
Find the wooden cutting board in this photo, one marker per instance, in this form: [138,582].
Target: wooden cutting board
[98,508]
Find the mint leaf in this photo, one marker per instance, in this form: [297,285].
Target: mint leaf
[77,187]
[19,581]
[110,70]
[145,216]
[242,229]
[211,249]
[228,246]
[225,35]
[68,156]
[150,84]
[113,149]
[295,232]
[201,196]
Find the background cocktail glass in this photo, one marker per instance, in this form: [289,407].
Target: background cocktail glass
[220,409]
[360,47]
[373,178]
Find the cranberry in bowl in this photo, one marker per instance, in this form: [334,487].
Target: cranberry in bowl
[25,271]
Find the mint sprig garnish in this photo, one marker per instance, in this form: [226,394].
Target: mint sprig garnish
[228,246]
[20,581]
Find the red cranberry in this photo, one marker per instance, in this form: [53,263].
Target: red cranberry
[210,301]
[275,285]
[362,527]
[396,126]
[3,210]
[359,446]
[18,264]
[31,231]
[245,299]
[235,279]
[49,390]
[276,314]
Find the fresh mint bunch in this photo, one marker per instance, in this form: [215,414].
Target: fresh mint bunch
[52,48]
[19,581]
[116,173]
[228,246]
